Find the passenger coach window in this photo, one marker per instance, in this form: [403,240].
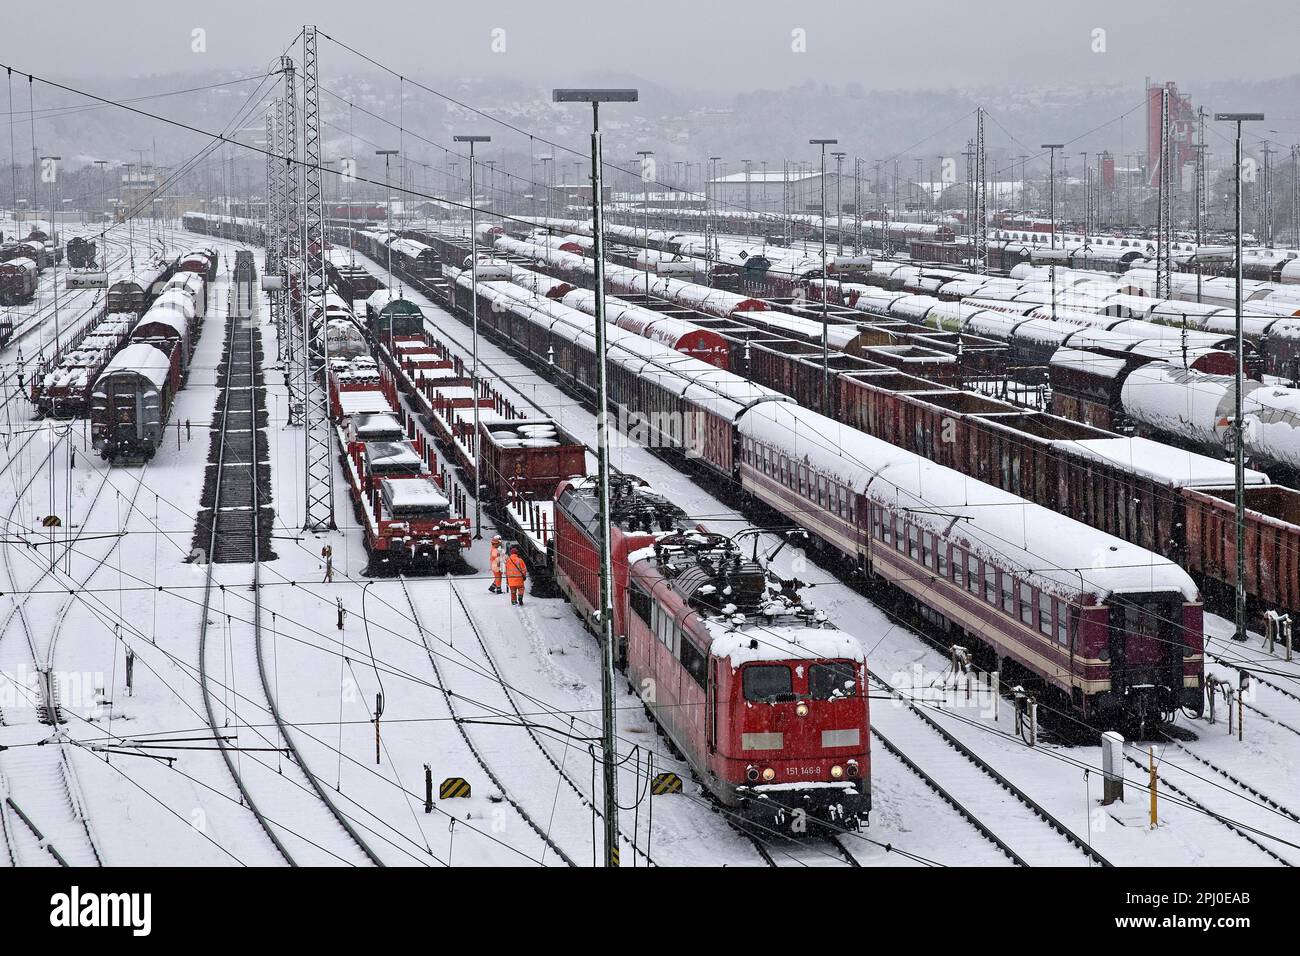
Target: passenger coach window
[835,679]
[1026,603]
[1062,623]
[767,683]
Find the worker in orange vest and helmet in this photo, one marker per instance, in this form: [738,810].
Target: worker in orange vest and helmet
[495,558]
[516,575]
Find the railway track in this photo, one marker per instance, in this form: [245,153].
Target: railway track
[1025,830]
[505,707]
[1249,834]
[1265,810]
[542,831]
[42,789]
[823,850]
[287,798]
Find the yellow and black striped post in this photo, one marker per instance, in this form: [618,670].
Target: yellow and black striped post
[665,783]
[454,787]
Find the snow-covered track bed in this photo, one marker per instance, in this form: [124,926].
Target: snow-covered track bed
[38,780]
[540,827]
[1006,814]
[558,804]
[280,790]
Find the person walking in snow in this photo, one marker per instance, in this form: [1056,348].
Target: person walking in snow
[516,575]
[494,558]
[327,553]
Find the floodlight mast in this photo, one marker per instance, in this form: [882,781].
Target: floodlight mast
[1238,429]
[826,354]
[473,288]
[609,755]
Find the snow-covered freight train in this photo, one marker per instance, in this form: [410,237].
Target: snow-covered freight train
[132,397]
[18,278]
[398,497]
[234,228]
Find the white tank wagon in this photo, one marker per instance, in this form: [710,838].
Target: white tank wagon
[1199,408]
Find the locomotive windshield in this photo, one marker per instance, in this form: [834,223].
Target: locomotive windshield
[831,680]
[768,683]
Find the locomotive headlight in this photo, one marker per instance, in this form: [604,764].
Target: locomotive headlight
[853,768]
[751,773]
[836,772]
[769,774]
[801,709]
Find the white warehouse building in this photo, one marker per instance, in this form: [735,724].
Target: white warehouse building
[769,192]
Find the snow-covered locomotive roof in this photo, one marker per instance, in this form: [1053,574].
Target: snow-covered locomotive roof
[755,640]
[410,247]
[382,299]
[1092,363]
[1059,553]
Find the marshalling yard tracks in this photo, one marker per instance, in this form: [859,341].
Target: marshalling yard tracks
[563,796]
[43,811]
[284,795]
[1025,831]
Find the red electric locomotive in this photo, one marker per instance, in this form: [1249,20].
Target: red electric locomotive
[761,695]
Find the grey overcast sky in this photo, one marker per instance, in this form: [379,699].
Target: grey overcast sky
[727,45]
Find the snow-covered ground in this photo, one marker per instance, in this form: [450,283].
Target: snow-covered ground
[462,672]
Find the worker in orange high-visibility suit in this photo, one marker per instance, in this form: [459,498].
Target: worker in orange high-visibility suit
[494,557]
[516,574]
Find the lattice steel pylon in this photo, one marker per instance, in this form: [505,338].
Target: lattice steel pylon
[268,265]
[1164,219]
[1266,196]
[981,226]
[319,462]
[1295,195]
[275,216]
[295,362]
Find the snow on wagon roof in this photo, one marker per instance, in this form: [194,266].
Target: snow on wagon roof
[142,359]
[1161,462]
[1061,554]
[382,299]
